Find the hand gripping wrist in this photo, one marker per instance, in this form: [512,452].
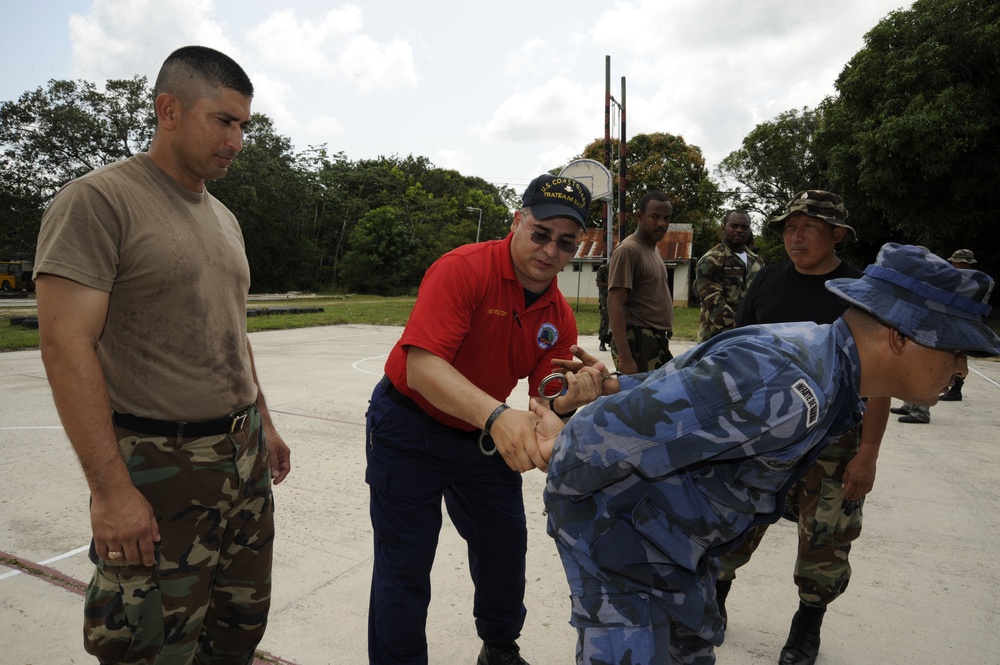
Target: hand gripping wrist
[493,417]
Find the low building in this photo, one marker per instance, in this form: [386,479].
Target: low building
[578,280]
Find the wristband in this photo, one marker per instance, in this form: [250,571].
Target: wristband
[552,408]
[493,417]
[612,374]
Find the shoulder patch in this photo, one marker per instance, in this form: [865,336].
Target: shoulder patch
[546,336]
[806,394]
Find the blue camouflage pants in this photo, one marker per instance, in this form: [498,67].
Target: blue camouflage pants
[634,628]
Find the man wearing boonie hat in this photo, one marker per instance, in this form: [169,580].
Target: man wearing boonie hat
[671,468]
[918,413]
[827,501]
[487,315]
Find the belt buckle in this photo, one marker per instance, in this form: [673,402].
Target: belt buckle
[238,421]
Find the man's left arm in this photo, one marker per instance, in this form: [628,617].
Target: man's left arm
[859,476]
[279,456]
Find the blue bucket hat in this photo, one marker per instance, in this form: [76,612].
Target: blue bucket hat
[924,297]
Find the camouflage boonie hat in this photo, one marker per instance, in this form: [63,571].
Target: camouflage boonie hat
[549,196]
[962,256]
[816,203]
[926,298]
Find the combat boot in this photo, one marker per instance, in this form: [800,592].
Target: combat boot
[722,588]
[802,645]
[501,654]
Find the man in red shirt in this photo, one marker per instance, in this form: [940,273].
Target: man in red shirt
[487,315]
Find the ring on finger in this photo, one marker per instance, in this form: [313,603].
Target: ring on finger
[115,555]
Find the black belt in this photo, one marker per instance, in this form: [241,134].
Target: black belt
[666,334]
[402,400]
[230,424]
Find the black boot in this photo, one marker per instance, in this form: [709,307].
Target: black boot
[500,654]
[802,645]
[954,394]
[722,588]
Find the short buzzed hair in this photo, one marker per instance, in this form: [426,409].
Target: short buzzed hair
[652,196]
[734,211]
[193,72]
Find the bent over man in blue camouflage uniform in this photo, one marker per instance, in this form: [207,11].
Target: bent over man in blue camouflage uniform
[672,468]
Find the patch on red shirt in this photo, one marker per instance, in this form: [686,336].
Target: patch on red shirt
[547,336]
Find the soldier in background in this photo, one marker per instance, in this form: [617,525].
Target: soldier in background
[647,485]
[963,259]
[604,330]
[827,501]
[723,275]
[918,414]
[640,307]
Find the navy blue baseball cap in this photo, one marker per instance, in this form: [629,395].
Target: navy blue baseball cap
[551,196]
[924,297]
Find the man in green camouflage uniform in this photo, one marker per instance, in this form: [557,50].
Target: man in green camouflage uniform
[723,275]
[142,282]
[827,501]
[647,485]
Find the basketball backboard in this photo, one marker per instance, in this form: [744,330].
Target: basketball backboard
[593,174]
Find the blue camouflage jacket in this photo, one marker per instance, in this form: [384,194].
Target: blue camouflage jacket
[646,486]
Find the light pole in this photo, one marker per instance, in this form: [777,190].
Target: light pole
[480,224]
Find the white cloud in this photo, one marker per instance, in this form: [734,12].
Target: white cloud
[121,38]
[335,47]
[452,159]
[556,110]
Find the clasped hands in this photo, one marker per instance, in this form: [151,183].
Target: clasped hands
[525,438]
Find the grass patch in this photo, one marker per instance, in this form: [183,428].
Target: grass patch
[340,310]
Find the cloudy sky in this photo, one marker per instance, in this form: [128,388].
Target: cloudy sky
[500,90]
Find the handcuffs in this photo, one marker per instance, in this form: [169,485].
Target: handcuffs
[563,388]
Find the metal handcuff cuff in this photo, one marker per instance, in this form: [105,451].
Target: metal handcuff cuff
[563,388]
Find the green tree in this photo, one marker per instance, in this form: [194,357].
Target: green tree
[775,160]
[913,139]
[71,127]
[273,198]
[667,163]
[383,258]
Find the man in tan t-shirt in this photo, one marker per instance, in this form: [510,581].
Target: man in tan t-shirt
[640,308]
[142,280]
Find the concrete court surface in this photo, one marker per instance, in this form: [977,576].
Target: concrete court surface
[925,569]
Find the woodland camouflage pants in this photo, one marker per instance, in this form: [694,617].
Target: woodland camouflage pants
[207,599]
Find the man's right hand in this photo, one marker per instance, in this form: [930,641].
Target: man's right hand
[627,365]
[123,521]
[585,360]
[513,433]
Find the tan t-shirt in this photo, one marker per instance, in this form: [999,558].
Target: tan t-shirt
[174,345]
[640,269]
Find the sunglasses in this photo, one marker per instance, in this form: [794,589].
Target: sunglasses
[544,238]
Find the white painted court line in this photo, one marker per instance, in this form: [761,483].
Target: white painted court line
[364,360]
[973,369]
[65,555]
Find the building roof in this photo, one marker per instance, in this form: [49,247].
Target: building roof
[674,248]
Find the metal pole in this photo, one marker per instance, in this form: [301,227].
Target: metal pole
[621,167]
[608,231]
[480,224]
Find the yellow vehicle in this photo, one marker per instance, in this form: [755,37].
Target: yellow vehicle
[16,276]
